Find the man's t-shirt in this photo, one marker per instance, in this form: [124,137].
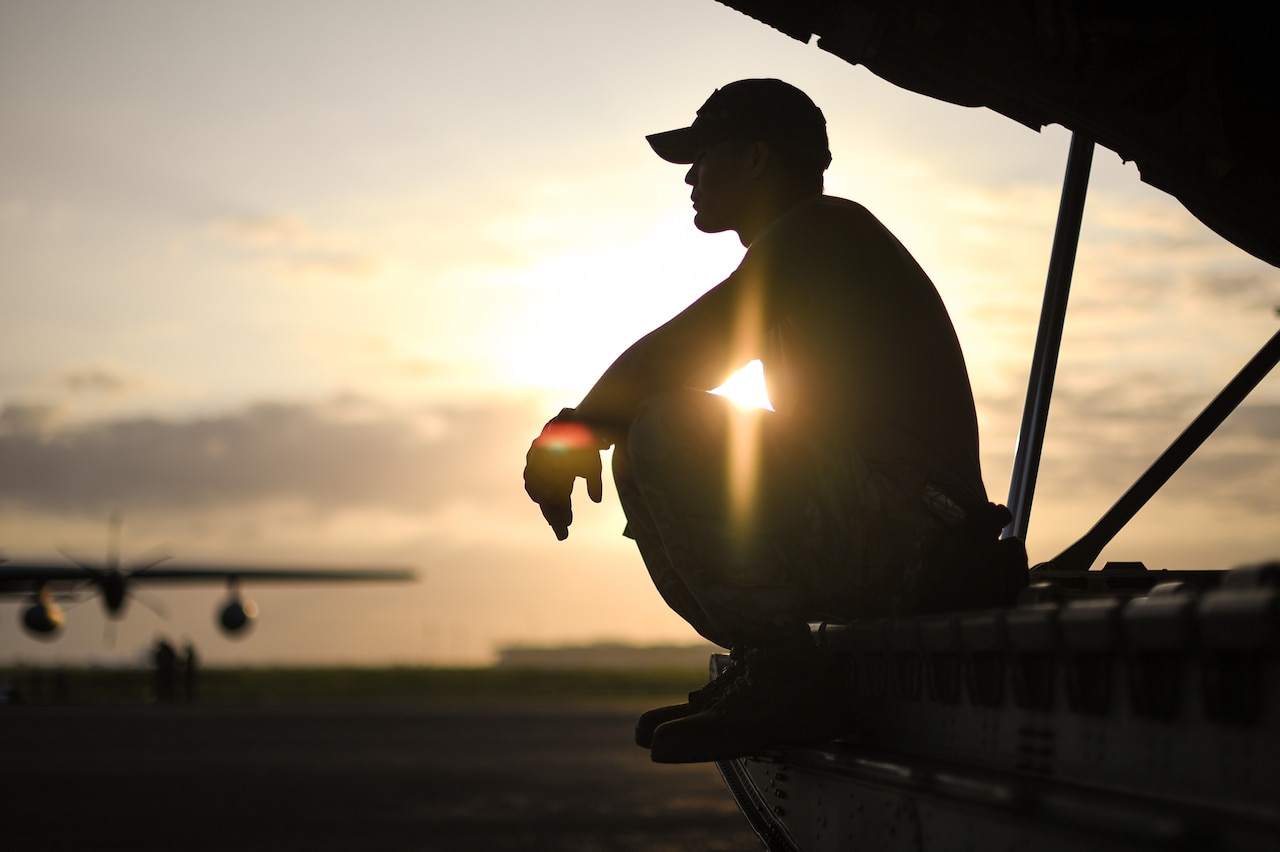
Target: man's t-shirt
[858,346]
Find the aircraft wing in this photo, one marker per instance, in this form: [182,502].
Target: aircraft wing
[1189,90]
[194,573]
[20,578]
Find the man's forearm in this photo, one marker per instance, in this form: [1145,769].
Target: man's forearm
[649,367]
[697,348]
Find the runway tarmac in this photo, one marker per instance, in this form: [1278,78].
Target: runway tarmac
[300,777]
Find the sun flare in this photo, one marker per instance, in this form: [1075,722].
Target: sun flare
[745,388]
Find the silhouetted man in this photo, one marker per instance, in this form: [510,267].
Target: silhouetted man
[860,494]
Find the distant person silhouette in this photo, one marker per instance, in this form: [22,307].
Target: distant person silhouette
[190,673]
[165,660]
[859,495]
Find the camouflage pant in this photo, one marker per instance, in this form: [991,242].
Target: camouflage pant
[748,528]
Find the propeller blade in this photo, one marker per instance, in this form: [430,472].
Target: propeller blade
[114,523]
[69,604]
[91,570]
[153,604]
[146,563]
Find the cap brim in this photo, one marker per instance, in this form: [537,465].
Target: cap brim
[676,146]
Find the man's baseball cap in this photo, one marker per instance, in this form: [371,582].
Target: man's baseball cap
[760,109]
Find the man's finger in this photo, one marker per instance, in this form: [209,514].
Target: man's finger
[595,487]
[558,517]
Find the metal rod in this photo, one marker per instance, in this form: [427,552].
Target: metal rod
[1044,364]
[1082,554]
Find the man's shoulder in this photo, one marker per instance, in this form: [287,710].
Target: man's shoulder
[820,224]
[835,205]
[823,215]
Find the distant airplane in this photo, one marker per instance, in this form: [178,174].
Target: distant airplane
[45,583]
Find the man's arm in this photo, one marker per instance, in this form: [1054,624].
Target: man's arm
[697,348]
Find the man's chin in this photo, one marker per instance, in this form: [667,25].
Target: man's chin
[707,225]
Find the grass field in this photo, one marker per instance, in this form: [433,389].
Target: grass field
[355,684]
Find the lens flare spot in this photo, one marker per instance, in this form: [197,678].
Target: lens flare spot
[746,388]
[563,437]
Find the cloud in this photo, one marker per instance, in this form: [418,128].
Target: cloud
[1260,421]
[1254,290]
[337,455]
[1135,396]
[295,248]
[260,231]
[333,264]
[1102,439]
[102,380]
[28,421]
[1147,254]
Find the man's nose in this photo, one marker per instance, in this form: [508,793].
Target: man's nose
[691,176]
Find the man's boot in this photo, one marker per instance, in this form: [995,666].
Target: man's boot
[782,698]
[699,700]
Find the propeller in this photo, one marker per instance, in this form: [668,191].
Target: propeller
[112,582]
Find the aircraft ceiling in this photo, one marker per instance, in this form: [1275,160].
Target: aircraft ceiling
[1189,90]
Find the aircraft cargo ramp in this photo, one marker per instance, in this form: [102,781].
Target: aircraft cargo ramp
[1104,718]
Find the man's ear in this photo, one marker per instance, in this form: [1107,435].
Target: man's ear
[757,156]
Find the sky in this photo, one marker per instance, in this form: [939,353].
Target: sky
[289,282]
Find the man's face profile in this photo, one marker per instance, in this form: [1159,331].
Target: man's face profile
[721,179]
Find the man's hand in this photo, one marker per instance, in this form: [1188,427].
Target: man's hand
[564,451]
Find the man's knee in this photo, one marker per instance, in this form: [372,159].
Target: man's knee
[673,424]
